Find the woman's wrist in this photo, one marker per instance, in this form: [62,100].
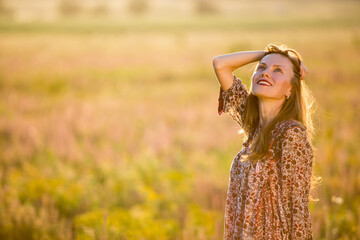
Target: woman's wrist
[261,54]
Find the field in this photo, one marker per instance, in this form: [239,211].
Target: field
[109,129]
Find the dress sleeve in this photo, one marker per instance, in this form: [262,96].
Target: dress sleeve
[233,101]
[296,166]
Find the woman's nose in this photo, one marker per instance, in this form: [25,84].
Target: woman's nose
[263,74]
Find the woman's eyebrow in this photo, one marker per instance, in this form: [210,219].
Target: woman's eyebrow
[278,66]
[273,65]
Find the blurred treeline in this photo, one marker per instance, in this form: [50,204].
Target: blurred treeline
[60,9]
[109,128]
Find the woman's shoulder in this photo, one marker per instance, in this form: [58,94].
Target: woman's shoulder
[289,123]
[288,131]
[283,127]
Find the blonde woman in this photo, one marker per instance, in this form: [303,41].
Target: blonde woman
[270,178]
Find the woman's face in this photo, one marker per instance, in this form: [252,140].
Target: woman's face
[272,77]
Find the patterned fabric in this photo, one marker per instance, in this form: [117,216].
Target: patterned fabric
[268,199]
[233,101]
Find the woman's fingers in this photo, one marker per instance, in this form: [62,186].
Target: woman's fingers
[303,71]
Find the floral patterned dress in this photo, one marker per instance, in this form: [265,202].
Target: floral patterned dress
[268,199]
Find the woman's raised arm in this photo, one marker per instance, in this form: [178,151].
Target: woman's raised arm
[225,64]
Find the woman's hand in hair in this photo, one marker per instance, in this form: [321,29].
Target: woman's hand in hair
[303,71]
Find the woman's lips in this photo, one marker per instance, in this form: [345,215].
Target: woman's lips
[264,82]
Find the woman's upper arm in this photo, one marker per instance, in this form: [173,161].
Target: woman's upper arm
[224,76]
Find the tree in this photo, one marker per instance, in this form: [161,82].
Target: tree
[205,7]
[69,7]
[138,6]
[5,10]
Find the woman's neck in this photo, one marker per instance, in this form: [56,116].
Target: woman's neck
[268,109]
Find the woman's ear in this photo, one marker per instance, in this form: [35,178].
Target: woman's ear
[288,93]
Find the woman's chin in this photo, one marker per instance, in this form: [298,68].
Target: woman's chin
[264,96]
[261,94]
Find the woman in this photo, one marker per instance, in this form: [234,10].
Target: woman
[270,178]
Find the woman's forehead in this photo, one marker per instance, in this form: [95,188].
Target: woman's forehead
[276,59]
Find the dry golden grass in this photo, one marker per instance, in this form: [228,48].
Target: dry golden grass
[109,134]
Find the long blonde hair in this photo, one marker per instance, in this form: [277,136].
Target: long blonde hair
[298,107]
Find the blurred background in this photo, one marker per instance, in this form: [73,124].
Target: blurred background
[109,126]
